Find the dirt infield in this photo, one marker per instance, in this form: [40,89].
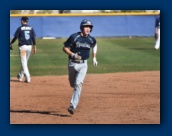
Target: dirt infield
[116,98]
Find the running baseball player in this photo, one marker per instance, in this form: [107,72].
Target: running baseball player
[26,38]
[78,47]
[157,33]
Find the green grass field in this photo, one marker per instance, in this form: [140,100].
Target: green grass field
[114,55]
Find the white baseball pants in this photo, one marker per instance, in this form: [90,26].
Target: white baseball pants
[24,52]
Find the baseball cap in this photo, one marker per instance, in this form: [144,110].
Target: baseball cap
[25,19]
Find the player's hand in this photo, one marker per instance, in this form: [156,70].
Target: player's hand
[34,49]
[75,56]
[95,63]
[11,47]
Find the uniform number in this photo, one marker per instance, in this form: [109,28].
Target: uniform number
[27,35]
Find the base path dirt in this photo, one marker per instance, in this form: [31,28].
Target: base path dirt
[115,98]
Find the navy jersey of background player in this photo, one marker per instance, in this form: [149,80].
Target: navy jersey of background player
[157,23]
[25,35]
[81,45]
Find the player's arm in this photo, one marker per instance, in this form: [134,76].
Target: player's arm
[67,51]
[33,40]
[156,33]
[94,51]
[16,34]
[12,41]
[34,49]
[74,56]
[156,29]
[67,45]
[34,45]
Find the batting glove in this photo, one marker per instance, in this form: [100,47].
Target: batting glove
[95,62]
[75,56]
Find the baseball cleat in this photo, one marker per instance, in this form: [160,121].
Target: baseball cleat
[71,110]
[19,78]
[27,81]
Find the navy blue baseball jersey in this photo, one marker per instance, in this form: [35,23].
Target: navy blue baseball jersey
[80,44]
[157,23]
[25,35]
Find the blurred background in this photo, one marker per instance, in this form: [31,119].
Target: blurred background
[107,23]
[78,11]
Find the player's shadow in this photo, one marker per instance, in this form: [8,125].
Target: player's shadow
[40,112]
[17,81]
[13,80]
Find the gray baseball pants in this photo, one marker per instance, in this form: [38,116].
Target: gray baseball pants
[77,72]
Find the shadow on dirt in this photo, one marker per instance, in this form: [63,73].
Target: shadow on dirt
[13,80]
[40,112]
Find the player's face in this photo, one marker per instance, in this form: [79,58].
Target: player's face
[86,30]
[23,22]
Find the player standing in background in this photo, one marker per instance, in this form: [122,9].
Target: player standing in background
[26,38]
[157,33]
[78,47]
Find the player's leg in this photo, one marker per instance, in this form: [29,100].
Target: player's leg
[23,50]
[72,73]
[80,75]
[28,52]
[72,77]
[20,74]
[22,54]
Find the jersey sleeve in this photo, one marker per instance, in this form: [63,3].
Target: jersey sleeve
[157,23]
[33,33]
[69,42]
[33,36]
[17,33]
[94,42]
[94,47]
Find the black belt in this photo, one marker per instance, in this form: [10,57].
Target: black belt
[78,61]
